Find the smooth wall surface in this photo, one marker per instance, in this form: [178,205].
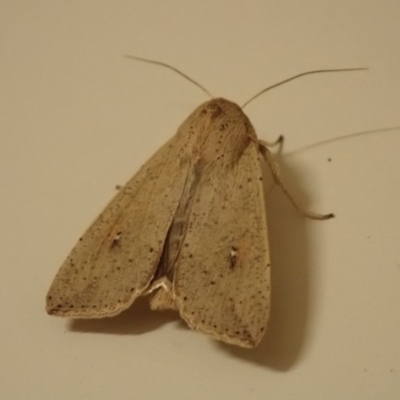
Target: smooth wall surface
[77,118]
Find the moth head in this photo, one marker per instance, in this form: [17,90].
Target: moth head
[219,116]
[219,108]
[217,132]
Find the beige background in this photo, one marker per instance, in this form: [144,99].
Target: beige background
[77,118]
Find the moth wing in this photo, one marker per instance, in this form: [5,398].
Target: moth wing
[222,276]
[116,258]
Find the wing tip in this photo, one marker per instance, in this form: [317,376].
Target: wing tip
[244,339]
[247,342]
[84,312]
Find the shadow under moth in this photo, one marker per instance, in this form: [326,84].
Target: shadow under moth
[189,230]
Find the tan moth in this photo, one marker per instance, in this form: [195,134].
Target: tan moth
[189,230]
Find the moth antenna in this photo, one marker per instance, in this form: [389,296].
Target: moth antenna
[342,137]
[319,71]
[173,69]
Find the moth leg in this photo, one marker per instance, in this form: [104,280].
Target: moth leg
[277,177]
[276,142]
[163,300]
[161,295]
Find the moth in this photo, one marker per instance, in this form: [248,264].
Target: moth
[189,230]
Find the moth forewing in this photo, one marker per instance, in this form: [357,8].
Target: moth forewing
[115,260]
[222,276]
